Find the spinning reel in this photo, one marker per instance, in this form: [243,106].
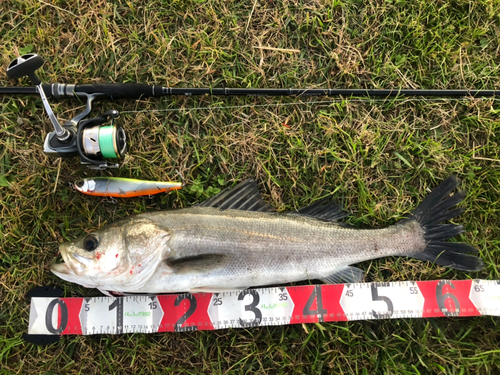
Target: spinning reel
[91,139]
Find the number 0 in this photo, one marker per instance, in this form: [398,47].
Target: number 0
[63,317]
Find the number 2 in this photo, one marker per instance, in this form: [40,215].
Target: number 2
[188,313]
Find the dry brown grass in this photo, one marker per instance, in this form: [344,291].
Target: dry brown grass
[379,158]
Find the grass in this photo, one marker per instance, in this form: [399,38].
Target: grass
[380,158]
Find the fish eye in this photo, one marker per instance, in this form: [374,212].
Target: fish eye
[90,242]
[80,183]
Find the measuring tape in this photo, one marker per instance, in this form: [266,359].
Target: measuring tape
[262,307]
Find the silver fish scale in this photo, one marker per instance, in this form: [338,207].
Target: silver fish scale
[268,248]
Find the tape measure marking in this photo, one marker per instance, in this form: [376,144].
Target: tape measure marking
[263,307]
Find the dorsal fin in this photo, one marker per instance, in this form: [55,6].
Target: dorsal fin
[245,196]
[324,210]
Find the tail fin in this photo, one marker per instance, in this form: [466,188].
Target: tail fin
[438,207]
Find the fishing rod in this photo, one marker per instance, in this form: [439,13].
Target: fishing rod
[138,90]
[93,141]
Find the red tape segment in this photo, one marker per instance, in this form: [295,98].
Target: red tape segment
[263,307]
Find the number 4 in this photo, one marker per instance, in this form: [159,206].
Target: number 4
[320,310]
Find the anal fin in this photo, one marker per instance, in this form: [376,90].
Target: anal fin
[345,274]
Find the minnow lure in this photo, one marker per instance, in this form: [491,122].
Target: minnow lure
[123,187]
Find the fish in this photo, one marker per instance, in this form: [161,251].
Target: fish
[234,240]
[123,187]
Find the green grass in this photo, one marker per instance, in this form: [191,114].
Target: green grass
[379,158]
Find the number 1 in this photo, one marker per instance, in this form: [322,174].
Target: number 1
[118,304]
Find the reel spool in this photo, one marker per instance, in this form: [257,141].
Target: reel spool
[104,142]
[96,141]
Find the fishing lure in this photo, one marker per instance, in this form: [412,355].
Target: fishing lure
[123,187]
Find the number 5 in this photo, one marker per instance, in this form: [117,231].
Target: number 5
[387,300]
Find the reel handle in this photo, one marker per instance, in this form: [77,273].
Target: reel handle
[26,66]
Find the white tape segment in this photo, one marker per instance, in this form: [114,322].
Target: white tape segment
[264,307]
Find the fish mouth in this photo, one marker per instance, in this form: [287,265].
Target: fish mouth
[71,263]
[85,262]
[60,268]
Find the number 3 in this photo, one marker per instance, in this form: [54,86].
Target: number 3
[252,307]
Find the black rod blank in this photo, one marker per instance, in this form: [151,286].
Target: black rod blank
[135,90]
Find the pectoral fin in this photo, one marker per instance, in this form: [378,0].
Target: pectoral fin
[196,263]
[345,274]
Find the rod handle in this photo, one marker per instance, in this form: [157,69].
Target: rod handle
[120,90]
